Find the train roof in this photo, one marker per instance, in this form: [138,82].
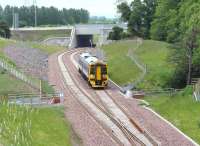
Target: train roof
[89,58]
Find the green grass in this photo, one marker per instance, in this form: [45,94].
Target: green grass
[121,68]
[181,110]
[49,127]
[39,35]
[152,53]
[9,84]
[49,49]
[23,126]
[46,88]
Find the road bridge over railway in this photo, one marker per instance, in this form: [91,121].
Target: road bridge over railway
[82,35]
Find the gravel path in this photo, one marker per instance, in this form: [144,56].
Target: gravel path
[82,122]
[31,61]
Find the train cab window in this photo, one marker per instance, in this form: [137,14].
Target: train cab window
[104,69]
[92,70]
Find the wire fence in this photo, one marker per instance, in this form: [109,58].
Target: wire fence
[139,64]
[196,92]
[33,99]
[19,75]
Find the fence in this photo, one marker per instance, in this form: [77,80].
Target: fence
[33,99]
[196,92]
[139,64]
[13,71]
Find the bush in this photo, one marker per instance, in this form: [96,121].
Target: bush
[4,30]
[116,33]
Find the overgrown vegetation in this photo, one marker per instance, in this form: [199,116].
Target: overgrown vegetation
[26,126]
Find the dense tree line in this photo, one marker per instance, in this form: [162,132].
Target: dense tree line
[173,21]
[102,20]
[45,15]
[139,15]
[4,30]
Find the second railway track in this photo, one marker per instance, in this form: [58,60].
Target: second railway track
[130,129]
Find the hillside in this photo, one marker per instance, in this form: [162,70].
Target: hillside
[151,53]
[45,125]
[177,108]
[38,35]
[181,110]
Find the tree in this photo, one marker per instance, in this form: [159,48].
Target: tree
[139,15]
[4,30]
[116,33]
[166,22]
[191,44]
[45,15]
[125,11]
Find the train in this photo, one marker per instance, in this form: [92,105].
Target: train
[95,71]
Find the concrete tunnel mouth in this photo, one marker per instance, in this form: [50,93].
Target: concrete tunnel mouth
[84,41]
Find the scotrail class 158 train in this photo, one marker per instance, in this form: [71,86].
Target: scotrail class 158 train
[94,70]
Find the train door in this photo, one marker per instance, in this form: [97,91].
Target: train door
[98,73]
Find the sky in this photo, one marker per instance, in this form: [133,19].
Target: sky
[105,8]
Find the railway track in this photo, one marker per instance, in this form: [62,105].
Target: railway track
[131,131]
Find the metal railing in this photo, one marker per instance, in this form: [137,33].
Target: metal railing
[196,92]
[33,99]
[18,74]
[139,64]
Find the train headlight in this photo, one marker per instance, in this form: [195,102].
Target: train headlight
[92,77]
[104,77]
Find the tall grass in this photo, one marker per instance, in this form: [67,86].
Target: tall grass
[15,124]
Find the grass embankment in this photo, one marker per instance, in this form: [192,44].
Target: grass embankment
[155,55]
[181,110]
[121,68]
[39,35]
[49,49]
[152,53]
[23,126]
[8,83]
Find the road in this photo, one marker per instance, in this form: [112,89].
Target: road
[106,117]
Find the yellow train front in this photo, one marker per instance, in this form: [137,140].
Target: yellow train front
[94,70]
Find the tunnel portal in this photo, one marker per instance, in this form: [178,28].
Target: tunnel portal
[84,40]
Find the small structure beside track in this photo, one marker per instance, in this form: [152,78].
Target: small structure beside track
[34,99]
